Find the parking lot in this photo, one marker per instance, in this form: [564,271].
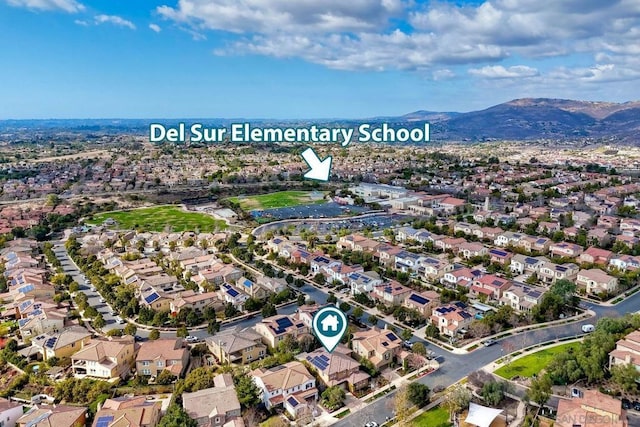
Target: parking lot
[325,210]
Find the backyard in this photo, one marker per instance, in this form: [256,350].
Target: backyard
[436,417]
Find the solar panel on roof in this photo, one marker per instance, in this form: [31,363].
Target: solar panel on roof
[419,299]
[391,337]
[104,421]
[151,298]
[465,315]
[385,344]
[51,342]
[232,292]
[292,401]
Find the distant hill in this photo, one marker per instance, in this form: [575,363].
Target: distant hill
[535,118]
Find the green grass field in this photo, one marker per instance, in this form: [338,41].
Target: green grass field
[533,363]
[436,417]
[280,199]
[161,218]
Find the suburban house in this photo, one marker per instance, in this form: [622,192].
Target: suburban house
[471,249]
[422,302]
[596,281]
[490,285]
[595,255]
[435,268]
[338,368]
[363,283]
[251,288]
[274,329]
[237,346]
[106,359]
[565,249]
[134,411]
[61,344]
[522,297]
[216,406]
[592,409]
[379,346]
[290,386]
[500,256]
[57,415]
[391,292]
[462,276]
[157,355]
[194,301]
[523,263]
[550,272]
[10,412]
[230,294]
[451,319]
[624,262]
[627,351]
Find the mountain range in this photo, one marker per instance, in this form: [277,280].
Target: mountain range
[519,119]
[537,118]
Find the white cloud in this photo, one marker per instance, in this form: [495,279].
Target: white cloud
[115,20]
[155,27]
[81,22]
[445,40]
[70,6]
[500,72]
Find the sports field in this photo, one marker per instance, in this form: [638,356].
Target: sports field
[161,218]
[280,199]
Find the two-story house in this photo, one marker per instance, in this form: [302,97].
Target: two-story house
[522,297]
[105,359]
[391,292]
[156,356]
[216,406]
[275,329]
[236,346]
[379,346]
[289,386]
[451,319]
[596,281]
[125,411]
[338,368]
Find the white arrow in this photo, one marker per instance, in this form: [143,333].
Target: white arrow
[319,169]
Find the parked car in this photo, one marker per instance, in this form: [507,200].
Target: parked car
[588,328]
[191,339]
[371,424]
[489,342]
[636,406]
[407,344]
[626,404]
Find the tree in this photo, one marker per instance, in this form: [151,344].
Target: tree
[176,416]
[213,327]
[300,300]
[457,400]
[99,322]
[431,331]
[345,306]
[493,392]
[418,394]
[406,334]
[333,398]
[402,406]
[154,334]
[625,377]
[182,332]
[130,329]
[540,390]
[269,310]
[230,310]
[247,391]
[419,349]
[331,298]
[165,377]
[373,319]
[358,312]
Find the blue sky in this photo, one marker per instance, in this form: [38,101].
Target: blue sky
[309,58]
